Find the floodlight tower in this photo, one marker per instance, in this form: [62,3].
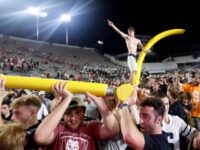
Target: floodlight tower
[36,12]
[66,18]
[100,44]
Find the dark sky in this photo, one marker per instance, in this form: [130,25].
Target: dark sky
[89,23]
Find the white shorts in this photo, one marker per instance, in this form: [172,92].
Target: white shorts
[132,63]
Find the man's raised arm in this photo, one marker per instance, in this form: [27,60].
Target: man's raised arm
[45,131]
[131,135]
[110,23]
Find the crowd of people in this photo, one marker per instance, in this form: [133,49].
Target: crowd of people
[29,62]
[163,112]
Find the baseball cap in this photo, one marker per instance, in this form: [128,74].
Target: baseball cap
[76,102]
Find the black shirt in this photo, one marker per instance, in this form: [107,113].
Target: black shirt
[30,143]
[177,109]
[155,142]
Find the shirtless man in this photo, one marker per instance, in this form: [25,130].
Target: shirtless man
[132,44]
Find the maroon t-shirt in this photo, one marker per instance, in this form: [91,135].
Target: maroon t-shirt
[85,138]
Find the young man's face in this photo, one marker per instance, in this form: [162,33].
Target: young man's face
[5,109]
[186,102]
[22,114]
[131,33]
[187,75]
[145,93]
[148,121]
[166,103]
[195,81]
[74,117]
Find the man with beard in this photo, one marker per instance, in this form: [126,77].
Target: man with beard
[149,136]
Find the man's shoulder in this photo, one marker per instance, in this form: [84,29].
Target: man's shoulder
[134,39]
[30,143]
[31,130]
[33,127]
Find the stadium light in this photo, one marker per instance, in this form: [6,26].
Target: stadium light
[100,44]
[66,18]
[36,12]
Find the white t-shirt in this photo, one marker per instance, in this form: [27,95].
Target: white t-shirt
[42,112]
[176,127]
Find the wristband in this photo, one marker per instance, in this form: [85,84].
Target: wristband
[125,105]
[119,106]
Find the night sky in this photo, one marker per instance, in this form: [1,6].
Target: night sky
[88,24]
